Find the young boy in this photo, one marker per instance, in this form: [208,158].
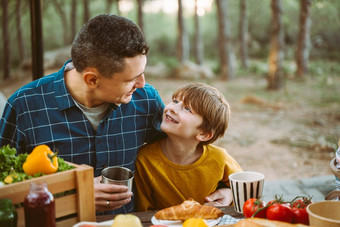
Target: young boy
[185,164]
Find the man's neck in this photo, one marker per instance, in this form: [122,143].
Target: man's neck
[77,88]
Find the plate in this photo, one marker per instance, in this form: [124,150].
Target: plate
[99,224]
[155,221]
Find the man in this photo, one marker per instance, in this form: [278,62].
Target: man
[96,110]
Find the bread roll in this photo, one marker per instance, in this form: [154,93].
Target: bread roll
[189,209]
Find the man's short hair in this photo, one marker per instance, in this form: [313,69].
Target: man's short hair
[105,41]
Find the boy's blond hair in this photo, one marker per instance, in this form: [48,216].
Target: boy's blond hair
[209,103]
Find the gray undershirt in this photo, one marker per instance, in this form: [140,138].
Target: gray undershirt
[94,114]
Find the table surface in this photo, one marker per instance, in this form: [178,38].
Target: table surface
[146,216]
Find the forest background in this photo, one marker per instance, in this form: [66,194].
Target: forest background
[280,72]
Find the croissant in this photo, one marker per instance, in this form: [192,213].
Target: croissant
[188,209]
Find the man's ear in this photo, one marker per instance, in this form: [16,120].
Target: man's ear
[204,136]
[90,77]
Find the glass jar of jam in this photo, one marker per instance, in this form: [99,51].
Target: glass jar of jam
[8,214]
[39,207]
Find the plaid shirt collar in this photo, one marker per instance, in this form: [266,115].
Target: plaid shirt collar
[63,97]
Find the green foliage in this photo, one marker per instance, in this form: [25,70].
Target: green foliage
[161,29]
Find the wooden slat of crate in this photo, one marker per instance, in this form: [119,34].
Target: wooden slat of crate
[81,203]
[56,183]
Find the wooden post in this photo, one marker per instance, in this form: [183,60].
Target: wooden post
[37,40]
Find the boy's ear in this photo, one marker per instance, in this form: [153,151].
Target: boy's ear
[90,76]
[204,136]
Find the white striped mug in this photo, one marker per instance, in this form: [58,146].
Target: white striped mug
[245,185]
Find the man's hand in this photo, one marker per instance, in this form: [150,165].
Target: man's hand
[220,197]
[110,196]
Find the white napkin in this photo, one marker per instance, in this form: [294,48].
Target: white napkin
[227,219]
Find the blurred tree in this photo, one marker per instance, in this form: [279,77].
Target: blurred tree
[243,30]
[20,40]
[86,11]
[62,14]
[276,54]
[198,48]
[109,6]
[303,45]
[225,40]
[73,20]
[140,14]
[182,42]
[116,4]
[5,36]
[37,42]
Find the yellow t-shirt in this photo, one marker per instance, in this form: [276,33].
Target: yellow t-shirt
[161,183]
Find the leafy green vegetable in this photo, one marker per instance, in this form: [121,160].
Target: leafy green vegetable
[63,165]
[11,165]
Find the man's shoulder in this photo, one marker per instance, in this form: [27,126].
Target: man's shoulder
[35,87]
[148,91]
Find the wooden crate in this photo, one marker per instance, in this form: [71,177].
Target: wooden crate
[76,205]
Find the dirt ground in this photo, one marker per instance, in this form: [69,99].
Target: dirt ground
[282,138]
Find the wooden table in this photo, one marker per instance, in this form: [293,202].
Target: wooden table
[146,216]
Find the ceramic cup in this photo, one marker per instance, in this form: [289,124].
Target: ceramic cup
[117,175]
[245,185]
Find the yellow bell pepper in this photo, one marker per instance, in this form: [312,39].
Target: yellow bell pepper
[41,160]
[195,222]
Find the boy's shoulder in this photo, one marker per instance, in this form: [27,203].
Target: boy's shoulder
[217,152]
[149,149]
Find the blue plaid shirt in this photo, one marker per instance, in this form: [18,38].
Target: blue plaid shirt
[43,112]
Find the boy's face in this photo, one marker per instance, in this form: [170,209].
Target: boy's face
[180,120]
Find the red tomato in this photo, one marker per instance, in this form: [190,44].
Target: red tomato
[299,208]
[301,203]
[300,215]
[252,205]
[280,212]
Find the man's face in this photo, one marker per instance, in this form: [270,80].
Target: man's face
[119,88]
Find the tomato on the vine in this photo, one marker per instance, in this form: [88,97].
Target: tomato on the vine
[299,208]
[301,203]
[252,205]
[300,215]
[280,212]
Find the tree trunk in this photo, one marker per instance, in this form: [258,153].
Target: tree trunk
[116,6]
[86,11]
[63,18]
[108,6]
[224,40]
[73,20]
[5,37]
[183,42]
[199,55]
[302,54]
[276,55]
[20,40]
[140,14]
[37,40]
[244,34]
